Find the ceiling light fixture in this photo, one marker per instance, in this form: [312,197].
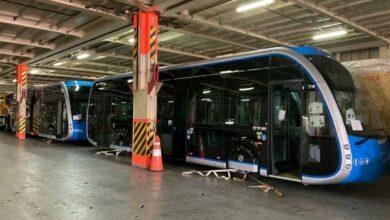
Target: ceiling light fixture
[83,56]
[59,63]
[34,71]
[246,89]
[253,5]
[331,34]
[206,91]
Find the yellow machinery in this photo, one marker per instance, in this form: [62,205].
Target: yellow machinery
[5,110]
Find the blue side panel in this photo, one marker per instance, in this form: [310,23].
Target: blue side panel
[307,50]
[79,131]
[370,159]
[79,83]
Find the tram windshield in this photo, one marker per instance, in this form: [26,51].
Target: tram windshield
[352,98]
[79,101]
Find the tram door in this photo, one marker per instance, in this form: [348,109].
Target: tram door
[60,108]
[171,114]
[103,120]
[179,122]
[286,114]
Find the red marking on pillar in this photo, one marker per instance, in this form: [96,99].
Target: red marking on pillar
[142,161]
[21,94]
[154,79]
[143,120]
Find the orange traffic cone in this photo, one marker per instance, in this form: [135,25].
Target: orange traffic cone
[156,162]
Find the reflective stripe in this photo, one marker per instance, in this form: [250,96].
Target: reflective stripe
[48,136]
[263,172]
[206,162]
[157,153]
[286,178]
[243,166]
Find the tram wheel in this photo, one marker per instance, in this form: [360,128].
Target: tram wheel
[243,154]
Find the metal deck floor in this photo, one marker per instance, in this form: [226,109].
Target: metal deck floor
[63,181]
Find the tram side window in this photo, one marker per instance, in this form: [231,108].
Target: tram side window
[65,126]
[78,96]
[165,107]
[29,102]
[121,99]
[283,69]
[209,100]
[98,113]
[49,109]
[246,98]
[319,148]
[121,112]
[315,121]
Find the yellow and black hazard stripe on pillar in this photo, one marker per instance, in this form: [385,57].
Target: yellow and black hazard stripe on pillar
[139,141]
[143,136]
[150,138]
[24,79]
[135,50]
[22,125]
[153,45]
[135,45]
[22,119]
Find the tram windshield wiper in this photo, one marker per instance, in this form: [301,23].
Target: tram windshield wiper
[362,141]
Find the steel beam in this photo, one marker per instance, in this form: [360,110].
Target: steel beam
[96,35]
[112,55]
[8,62]
[81,70]
[15,53]
[120,56]
[354,46]
[82,6]
[187,32]
[166,49]
[41,26]
[181,52]
[215,24]
[32,76]
[90,63]
[25,42]
[344,20]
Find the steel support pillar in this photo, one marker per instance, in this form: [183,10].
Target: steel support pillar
[21,94]
[145,87]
